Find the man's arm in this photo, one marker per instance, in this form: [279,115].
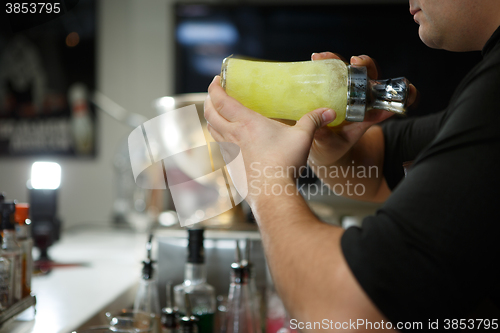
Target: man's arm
[307,264]
[304,254]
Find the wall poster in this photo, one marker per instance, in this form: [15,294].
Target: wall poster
[47,75]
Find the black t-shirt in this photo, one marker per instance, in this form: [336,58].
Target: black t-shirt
[433,249]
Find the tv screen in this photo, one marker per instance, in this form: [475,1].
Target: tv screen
[206,34]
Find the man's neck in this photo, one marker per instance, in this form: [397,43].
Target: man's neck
[490,26]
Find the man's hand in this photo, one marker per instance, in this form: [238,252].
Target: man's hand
[264,142]
[354,145]
[332,143]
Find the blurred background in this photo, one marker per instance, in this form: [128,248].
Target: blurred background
[74,88]
[135,52]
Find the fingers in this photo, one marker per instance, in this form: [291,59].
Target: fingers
[324,134]
[369,63]
[413,95]
[216,135]
[376,116]
[362,60]
[226,106]
[326,55]
[212,116]
[316,119]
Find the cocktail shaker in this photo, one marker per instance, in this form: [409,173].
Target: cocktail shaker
[290,90]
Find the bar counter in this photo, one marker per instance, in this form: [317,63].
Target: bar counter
[71,297]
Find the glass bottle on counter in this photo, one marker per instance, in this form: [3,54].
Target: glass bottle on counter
[202,295]
[10,247]
[6,283]
[240,310]
[147,299]
[252,286]
[26,243]
[6,274]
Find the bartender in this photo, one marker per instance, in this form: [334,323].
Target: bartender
[430,253]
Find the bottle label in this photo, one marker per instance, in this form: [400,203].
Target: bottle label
[15,258]
[5,284]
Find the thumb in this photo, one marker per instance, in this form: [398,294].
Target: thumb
[313,120]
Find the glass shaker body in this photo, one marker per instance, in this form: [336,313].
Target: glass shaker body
[289,90]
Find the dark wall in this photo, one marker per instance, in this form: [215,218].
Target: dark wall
[291,33]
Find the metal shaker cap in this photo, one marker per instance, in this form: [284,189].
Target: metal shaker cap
[357,86]
[364,94]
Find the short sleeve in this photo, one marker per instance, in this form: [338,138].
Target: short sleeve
[404,139]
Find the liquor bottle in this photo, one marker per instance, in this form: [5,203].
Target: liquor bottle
[6,274]
[201,294]
[252,286]
[146,299]
[10,247]
[26,243]
[288,90]
[6,282]
[240,311]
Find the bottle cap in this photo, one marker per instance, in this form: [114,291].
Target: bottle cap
[147,268]
[246,262]
[239,268]
[239,273]
[22,213]
[169,318]
[357,85]
[364,94]
[196,252]
[8,209]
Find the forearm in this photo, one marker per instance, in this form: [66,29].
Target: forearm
[302,252]
[358,174]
